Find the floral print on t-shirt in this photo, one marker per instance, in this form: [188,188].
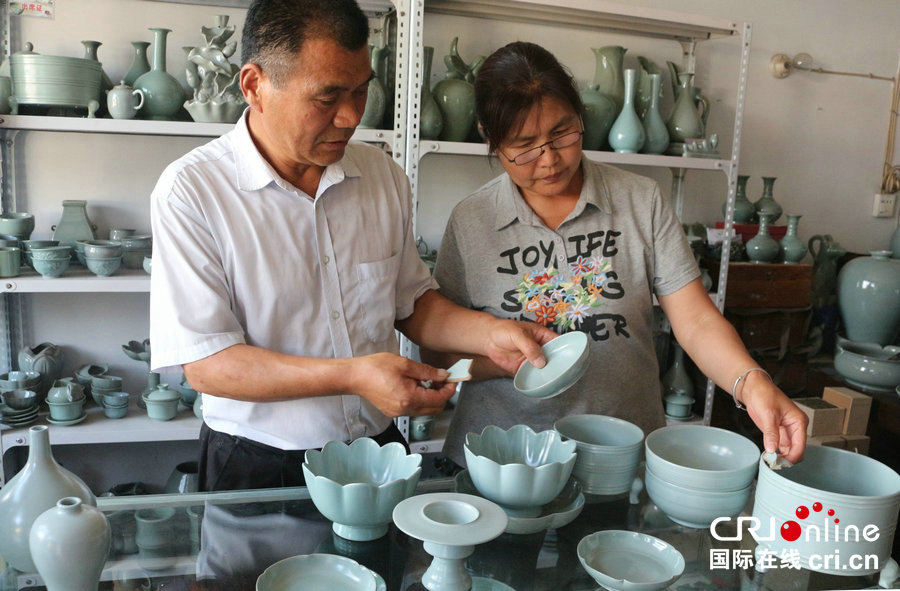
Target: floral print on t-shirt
[563,304]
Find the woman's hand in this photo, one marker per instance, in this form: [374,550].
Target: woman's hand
[782,423]
[512,342]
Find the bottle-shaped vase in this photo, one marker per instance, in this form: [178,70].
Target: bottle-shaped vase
[599,115]
[36,488]
[90,53]
[163,95]
[608,73]
[744,211]
[139,63]
[644,92]
[767,204]
[430,122]
[456,100]
[375,102]
[74,224]
[69,543]
[627,135]
[676,379]
[792,248]
[868,295]
[684,122]
[762,248]
[657,139]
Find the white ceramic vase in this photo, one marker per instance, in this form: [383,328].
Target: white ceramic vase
[69,544]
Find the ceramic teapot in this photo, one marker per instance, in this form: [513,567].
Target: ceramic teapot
[825,252]
[123,101]
[65,390]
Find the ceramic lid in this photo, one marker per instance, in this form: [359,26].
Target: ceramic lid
[122,86]
[162,392]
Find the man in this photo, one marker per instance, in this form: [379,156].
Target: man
[285,259]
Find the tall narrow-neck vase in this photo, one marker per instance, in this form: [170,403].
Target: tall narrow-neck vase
[684,123]
[657,135]
[762,248]
[627,135]
[35,489]
[792,248]
[139,63]
[163,95]
[767,204]
[743,208]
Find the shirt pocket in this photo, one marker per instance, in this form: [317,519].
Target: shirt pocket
[378,279]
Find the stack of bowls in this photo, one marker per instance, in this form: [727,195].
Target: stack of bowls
[27,245]
[519,469]
[696,473]
[85,373]
[20,407]
[25,380]
[609,452]
[51,261]
[115,405]
[135,248]
[162,403]
[18,224]
[104,384]
[103,257]
[79,252]
[358,485]
[66,401]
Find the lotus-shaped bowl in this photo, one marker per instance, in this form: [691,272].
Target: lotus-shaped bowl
[138,350]
[20,399]
[629,561]
[358,485]
[519,469]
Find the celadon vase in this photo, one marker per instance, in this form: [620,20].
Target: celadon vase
[599,115]
[627,135]
[90,53]
[767,204]
[430,122]
[676,379]
[35,489]
[684,122]
[792,248]
[163,95]
[375,102]
[762,248]
[868,291]
[825,253]
[47,359]
[139,63]
[74,224]
[608,73]
[744,211]
[645,92]
[657,139]
[456,100]
[70,543]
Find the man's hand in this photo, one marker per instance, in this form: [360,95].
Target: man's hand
[393,384]
[511,342]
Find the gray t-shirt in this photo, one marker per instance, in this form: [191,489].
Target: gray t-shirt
[596,273]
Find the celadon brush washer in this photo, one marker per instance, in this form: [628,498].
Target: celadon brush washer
[54,81]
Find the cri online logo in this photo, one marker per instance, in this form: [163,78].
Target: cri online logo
[790,530]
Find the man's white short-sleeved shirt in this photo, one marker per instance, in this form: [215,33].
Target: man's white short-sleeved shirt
[242,256]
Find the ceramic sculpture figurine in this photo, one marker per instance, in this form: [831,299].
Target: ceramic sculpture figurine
[215,80]
[455,95]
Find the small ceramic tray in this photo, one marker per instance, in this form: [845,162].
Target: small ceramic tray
[560,511]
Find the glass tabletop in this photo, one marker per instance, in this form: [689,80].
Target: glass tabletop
[224,541]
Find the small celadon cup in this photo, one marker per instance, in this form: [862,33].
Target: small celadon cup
[27,245]
[51,268]
[10,261]
[103,266]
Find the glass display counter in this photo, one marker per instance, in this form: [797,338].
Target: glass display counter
[223,541]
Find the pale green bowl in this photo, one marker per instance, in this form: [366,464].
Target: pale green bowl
[692,507]
[567,359]
[630,561]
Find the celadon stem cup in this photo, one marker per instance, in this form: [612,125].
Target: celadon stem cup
[833,505]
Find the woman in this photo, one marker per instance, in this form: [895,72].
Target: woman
[577,245]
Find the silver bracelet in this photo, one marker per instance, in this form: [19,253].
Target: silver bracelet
[737,403]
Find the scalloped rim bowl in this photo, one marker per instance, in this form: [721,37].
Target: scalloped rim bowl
[317,571]
[567,359]
[358,485]
[518,468]
[630,561]
[701,457]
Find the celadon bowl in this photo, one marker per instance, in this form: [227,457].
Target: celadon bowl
[50,268]
[691,507]
[308,572]
[608,451]
[701,457]
[102,266]
[519,469]
[358,485]
[836,504]
[629,561]
[567,359]
[868,366]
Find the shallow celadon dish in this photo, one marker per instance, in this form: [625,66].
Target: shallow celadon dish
[358,485]
[630,561]
[319,572]
[608,451]
[517,468]
[567,359]
[692,507]
[701,457]
[834,503]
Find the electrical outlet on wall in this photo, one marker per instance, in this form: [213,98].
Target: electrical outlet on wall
[884,205]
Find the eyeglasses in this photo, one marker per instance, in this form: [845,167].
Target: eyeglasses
[529,156]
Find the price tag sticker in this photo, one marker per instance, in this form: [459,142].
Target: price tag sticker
[44,9]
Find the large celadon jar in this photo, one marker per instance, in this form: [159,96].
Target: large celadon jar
[869,298]
[609,76]
[69,544]
[35,489]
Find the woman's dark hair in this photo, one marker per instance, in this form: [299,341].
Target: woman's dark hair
[514,79]
[275,31]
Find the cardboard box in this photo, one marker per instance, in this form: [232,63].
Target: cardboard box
[828,441]
[857,405]
[857,443]
[824,418]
